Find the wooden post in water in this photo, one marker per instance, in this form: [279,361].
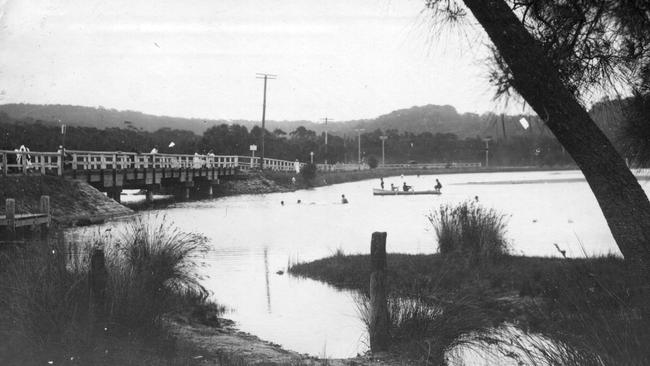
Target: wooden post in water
[149,194]
[97,279]
[379,321]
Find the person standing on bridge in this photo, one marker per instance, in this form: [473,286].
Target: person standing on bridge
[196,161]
[153,152]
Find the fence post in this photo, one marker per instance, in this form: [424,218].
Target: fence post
[97,280]
[5,168]
[24,162]
[379,321]
[10,212]
[61,161]
[45,208]
[41,160]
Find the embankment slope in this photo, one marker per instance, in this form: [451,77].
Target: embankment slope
[71,202]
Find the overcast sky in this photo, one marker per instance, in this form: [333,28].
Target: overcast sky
[337,58]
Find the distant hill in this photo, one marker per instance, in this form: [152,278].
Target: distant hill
[417,119]
[103,118]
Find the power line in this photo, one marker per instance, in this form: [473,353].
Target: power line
[359,130]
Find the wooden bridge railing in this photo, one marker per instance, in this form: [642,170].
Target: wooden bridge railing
[56,163]
[95,160]
[24,161]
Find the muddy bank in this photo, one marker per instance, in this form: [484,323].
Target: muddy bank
[225,345]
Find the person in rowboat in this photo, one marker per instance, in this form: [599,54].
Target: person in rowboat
[381,182]
[406,187]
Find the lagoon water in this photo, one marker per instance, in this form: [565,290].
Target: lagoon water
[254,236]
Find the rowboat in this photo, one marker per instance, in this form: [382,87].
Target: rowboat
[383,192]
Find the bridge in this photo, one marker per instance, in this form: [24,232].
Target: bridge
[112,171]
[178,174]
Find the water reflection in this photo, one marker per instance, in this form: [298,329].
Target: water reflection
[266,277]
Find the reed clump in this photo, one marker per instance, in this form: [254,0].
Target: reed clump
[471,231]
[153,272]
[47,313]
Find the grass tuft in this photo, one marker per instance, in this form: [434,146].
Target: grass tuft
[471,231]
[46,312]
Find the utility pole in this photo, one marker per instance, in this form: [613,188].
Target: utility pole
[359,130]
[487,149]
[383,157]
[265,77]
[326,119]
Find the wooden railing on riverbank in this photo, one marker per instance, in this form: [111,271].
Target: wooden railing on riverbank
[12,220]
[55,163]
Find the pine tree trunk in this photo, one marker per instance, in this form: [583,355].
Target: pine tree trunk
[622,200]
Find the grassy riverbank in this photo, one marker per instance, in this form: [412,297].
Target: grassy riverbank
[593,304]
[474,295]
[54,310]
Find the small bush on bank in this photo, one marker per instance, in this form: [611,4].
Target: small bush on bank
[471,231]
[308,171]
[373,162]
[152,271]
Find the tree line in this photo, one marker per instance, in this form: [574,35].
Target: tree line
[399,147]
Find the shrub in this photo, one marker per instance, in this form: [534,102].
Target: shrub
[308,171]
[470,231]
[373,162]
[152,270]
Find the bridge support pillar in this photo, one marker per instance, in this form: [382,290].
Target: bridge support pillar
[149,195]
[210,192]
[186,190]
[115,193]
